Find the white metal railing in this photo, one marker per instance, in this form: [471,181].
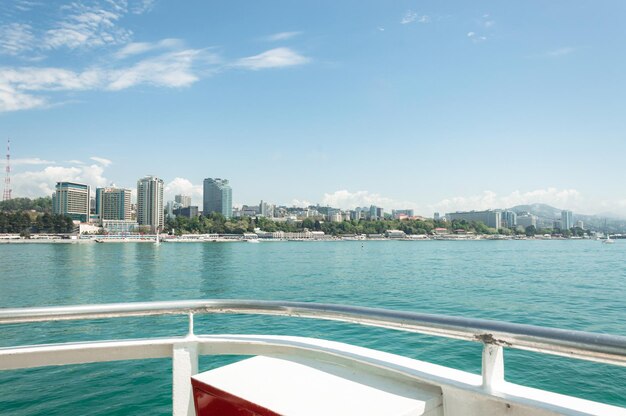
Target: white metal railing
[493,335]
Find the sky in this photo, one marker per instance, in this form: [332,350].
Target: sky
[435,106]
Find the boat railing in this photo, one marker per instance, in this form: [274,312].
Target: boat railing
[494,335]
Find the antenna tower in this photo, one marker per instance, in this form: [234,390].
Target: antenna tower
[7,179]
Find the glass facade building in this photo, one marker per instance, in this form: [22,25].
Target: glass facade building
[217,197]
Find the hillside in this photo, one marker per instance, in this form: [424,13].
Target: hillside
[548,214]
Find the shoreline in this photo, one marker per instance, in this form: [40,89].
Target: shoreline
[131,240]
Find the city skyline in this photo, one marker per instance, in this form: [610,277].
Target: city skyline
[429,106]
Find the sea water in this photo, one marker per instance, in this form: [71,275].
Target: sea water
[564,284]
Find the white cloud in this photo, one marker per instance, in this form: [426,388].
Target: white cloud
[169,70]
[87,26]
[348,200]
[282,36]
[476,38]
[300,203]
[16,38]
[137,48]
[559,198]
[19,86]
[185,187]
[26,5]
[13,100]
[142,6]
[560,52]
[274,58]
[32,184]
[27,161]
[104,162]
[80,24]
[409,17]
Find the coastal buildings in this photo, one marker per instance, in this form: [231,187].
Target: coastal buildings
[509,219]
[72,199]
[150,202]
[402,213]
[183,200]
[113,204]
[188,212]
[490,218]
[566,220]
[267,210]
[217,197]
[526,220]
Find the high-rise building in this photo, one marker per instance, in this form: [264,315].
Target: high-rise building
[490,218]
[150,202]
[113,204]
[566,220]
[217,197]
[437,216]
[183,200]
[509,219]
[72,199]
[267,210]
[373,212]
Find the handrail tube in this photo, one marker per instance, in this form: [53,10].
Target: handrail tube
[576,344]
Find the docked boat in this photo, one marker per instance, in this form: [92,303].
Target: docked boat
[306,376]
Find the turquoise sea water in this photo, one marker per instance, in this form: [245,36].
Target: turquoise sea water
[566,284]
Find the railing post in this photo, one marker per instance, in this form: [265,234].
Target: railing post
[493,366]
[184,365]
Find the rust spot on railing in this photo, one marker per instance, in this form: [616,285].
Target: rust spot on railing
[489,339]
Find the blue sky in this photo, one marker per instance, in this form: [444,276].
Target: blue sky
[430,105]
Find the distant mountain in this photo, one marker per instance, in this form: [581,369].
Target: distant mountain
[540,210]
[547,214]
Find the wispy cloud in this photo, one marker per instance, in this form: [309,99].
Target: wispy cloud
[87,26]
[28,161]
[104,162]
[79,24]
[142,6]
[486,21]
[274,58]
[169,70]
[20,87]
[483,29]
[16,38]
[282,36]
[26,5]
[474,37]
[410,16]
[560,52]
[139,48]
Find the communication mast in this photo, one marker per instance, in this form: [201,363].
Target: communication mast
[7,179]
